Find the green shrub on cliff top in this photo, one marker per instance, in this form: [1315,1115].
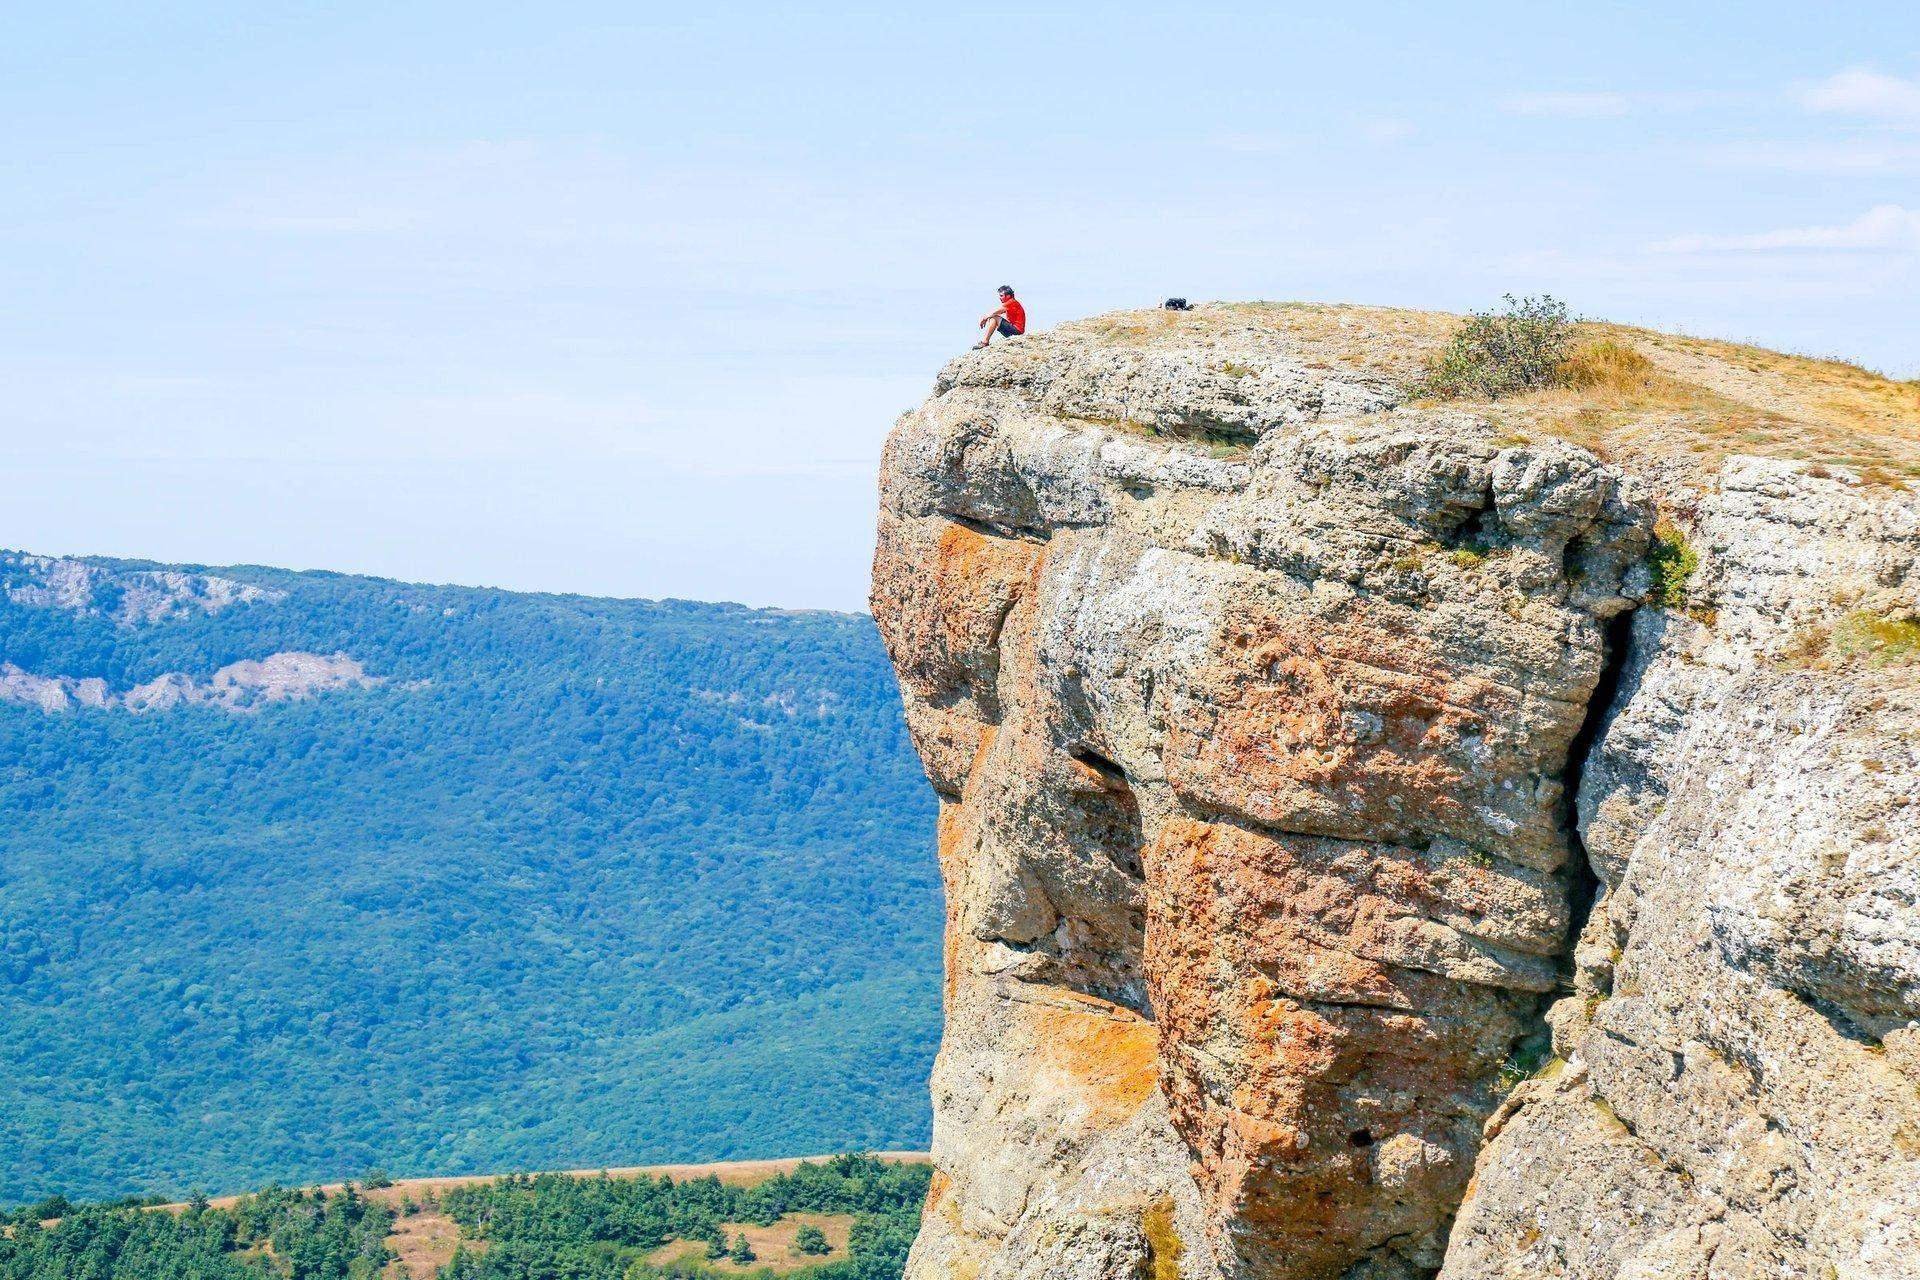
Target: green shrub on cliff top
[1495,354]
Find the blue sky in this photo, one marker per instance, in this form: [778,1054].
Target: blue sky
[622,299]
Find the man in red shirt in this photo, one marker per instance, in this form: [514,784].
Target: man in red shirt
[1008,320]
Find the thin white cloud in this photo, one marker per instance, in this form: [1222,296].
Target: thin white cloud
[1610,105]
[1861,91]
[1840,158]
[272,222]
[1883,228]
[1578,106]
[1253,144]
[1381,129]
[1389,129]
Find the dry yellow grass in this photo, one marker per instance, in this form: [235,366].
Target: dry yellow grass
[1609,367]
[425,1242]
[772,1245]
[1164,1246]
[745,1173]
[1680,404]
[1637,394]
[1861,638]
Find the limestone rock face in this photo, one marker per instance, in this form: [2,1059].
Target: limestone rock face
[1257,700]
[1255,830]
[1740,1094]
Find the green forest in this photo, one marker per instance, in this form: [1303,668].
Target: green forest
[602,1229]
[545,1227]
[301,1234]
[580,883]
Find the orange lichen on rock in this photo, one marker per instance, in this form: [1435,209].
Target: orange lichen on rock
[938,1188]
[1109,1054]
[950,837]
[1303,1039]
[1361,727]
[944,617]
[948,613]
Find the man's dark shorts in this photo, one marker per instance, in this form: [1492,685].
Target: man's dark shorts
[1006,330]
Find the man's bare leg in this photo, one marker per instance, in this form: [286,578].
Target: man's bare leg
[992,325]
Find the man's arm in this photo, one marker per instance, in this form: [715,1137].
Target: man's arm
[998,313]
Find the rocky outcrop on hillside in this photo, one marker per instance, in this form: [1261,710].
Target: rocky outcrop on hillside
[1315,766]
[131,597]
[289,676]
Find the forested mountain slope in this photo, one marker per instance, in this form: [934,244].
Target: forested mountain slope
[304,873]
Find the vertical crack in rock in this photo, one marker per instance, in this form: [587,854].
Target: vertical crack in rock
[1736,1091]
[1255,835]
[1582,882]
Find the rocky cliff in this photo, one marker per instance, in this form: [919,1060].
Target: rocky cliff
[1385,838]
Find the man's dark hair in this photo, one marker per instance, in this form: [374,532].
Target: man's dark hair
[1007,289]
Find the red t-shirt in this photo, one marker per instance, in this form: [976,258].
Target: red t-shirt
[1016,314]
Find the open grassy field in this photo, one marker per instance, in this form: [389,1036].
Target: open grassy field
[772,1245]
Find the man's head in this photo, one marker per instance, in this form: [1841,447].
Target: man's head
[1006,291]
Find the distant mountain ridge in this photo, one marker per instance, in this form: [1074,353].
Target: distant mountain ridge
[128,592]
[481,878]
[133,598]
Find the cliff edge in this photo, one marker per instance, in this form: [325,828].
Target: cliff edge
[1386,838]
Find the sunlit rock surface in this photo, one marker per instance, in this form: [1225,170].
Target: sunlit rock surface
[1256,698]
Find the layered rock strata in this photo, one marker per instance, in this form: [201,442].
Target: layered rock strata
[1256,701]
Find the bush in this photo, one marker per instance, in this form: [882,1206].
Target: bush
[54,1206]
[811,1240]
[1501,353]
[1674,561]
[552,1225]
[312,1235]
[1523,1063]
